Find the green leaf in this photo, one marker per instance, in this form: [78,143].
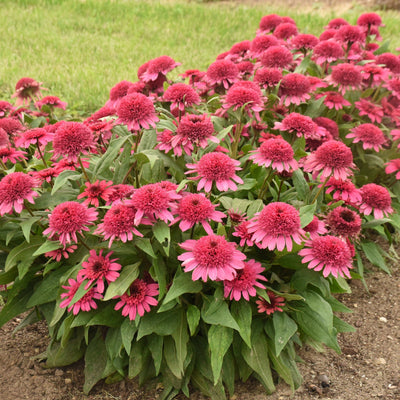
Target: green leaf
[222,134]
[26,226]
[307,214]
[291,261]
[371,251]
[162,324]
[215,311]
[48,245]
[95,362]
[171,357]
[14,307]
[318,304]
[301,185]
[9,276]
[241,311]
[161,275]
[145,245]
[58,356]
[219,339]
[342,326]
[113,342]
[161,232]
[315,107]
[193,318]
[62,179]
[304,277]
[254,207]
[23,254]
[182,284]
[107,317]
[228,372]
[148,140]
[137,359]
[181,338]
[128,274]
[284,328]
[155,344]
[128,330]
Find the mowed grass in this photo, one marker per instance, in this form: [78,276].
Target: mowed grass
[79,49]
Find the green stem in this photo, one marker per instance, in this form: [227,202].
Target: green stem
[80,239]
[280,189]
[320,190]
[236,140]
[41,154]
[264,186]
[83,169]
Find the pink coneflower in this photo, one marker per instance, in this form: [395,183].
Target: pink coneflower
[137,87]
[157,67]
[315,228]
[373,75]
[136,111]
[97,268]
[222,73]
[261,43]
[102,130]
[138,299]
[285,30]
[350,34]
[330,125]
[246,69]
[304,42]
[118,223]
[332,158]
[164,139]
[276,226]
[242,232]
[369,135]
[240,51]
[34,136]
[276,57]
[373,111]
[72,139]
[389,61]
[5,108]
[52,102]
[118,193]
[194,75]
[68,219]
[274,304]
[327,51]
[344,222]
[46,174]
[268,77]
[393,166]
[15,188]
[328,253]
[60,253]
[12,155]
[103,112]
[277,153]
[153,202]
[327,34]
[195,208]
[11,125]
[181,95]
[211,257]
[294,89]
[4,139]
[117,93]
[216,167]
[245,282]
[64,164]
[343,190]
[27,89]
[269,22]
[301,125]
[94,191]
[333,100]
[336,23]
[86,303]
[376,199]
[394,86]
[367,20]
[239,96]
[346,77]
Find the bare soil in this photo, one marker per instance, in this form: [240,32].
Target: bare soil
[368,368]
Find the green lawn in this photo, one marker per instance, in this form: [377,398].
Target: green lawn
[81,48]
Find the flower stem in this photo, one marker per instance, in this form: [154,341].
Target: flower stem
[80,239]
[320,189]
[41,154]
[236,140]
[83,169]
[265,185]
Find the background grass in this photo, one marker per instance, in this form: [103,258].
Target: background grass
[79,49]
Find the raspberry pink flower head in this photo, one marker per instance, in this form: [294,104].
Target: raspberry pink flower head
[118,193]
[196,208]
[240,51]
[245,282]
[52,102]
[222,73]
[60,253]
[138,299]
[367,20]
[343,190]
[375,199]
[153,202]
[94,191]
[277,153]
[118,223]
[11,125]
[286,30]
[27,89]
[315,228]
[242,232]
[336,23]
[344,222]
[68,219]
[276,226]
[330,125]
[301,125]
[12,155]
[268,77]
[329,253]
[117,93]
[334,100]
[5,108]
[86,303]
[15,188]
[136,111]
[262,43]
[216,168]
[34,136]
[349,34]
[72,139]
[389,61]
[274,304]
[369,135]
[4,139]
[181,96]
[294,89]
[269,22]
[211,257]
[97,268]
[327,51]
[346,77]
[304,42]
[277,57]
[333,158]
[394,86]
[393,166]
[158,66]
